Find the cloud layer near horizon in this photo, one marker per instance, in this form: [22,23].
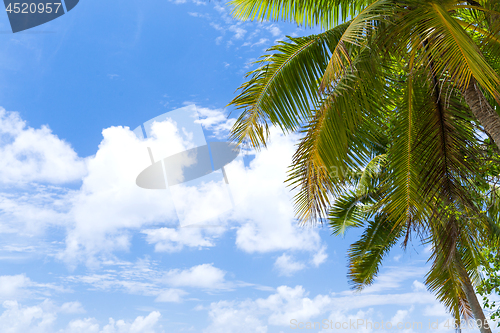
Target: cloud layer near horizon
[98,208]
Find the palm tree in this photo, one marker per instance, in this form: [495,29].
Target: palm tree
[388,84]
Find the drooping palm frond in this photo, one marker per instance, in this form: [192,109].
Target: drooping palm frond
[444,281]
[338,137]
[353,208]
[348,211]
[366,254]
[448,276]
[402,201]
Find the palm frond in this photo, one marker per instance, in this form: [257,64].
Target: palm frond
[308,13]
[338,138]
[284,89]
[366,254]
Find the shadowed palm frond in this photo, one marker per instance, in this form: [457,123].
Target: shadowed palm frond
[366,254]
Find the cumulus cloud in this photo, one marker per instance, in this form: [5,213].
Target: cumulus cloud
[35,155]
[287,266]
[229,317]
[264,204]
[19,319]
[72,308]
[319,257]
[141,324]
[109,207]
[43,318]
[272,227]
[110,203]
[287,303]
[202,276]
[12,285]
[274,30]
[255,316]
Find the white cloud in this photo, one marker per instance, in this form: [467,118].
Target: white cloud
[274,30]
[319,257]
[139,278]
[195,14]
[110,203]
[171,295]
[217,27]
[338,318]
[215,120]
[202,276]
[418,286]
[147,279]
[19,319]
[200,2]
[287,266]
[261,41]
[12,285]
[35,155]
[436,310]
[141,324]
[28,211]
[230,317]
[400,316]
[20,286]
[173,240]
[288,303]
[101,216]
[219,8]
[393,278]
[271,227]
[89,325]
[253,316]
[238,31]
[72,308]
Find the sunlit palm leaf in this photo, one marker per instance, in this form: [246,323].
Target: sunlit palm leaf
[284,89]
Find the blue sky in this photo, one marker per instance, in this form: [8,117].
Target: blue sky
[83,249]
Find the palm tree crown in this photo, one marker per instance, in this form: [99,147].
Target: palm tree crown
[394,100]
